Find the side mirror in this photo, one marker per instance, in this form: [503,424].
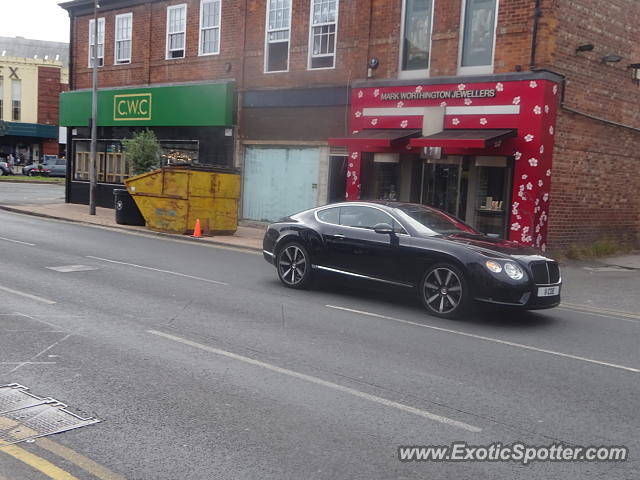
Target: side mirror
[383,228]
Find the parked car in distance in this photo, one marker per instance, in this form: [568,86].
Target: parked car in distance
[5,169]
[450,264]
[52,166]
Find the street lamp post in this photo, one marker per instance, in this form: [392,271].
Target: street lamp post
[94,114]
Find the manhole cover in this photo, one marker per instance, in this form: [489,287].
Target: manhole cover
[24,416]
[72,268]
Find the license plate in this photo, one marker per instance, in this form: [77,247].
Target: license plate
[548,291]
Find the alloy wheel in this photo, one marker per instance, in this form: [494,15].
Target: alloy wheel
[292,265]
[442,290]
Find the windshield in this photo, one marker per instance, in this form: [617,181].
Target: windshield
[428,221]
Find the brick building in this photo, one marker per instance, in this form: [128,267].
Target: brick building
[519,116]
[32,75]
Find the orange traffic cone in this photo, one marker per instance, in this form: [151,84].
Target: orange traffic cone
[197,232]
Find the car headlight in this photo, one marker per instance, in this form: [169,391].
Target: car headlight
[493,266]
[513,270]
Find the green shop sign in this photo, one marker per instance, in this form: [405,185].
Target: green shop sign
[176,106]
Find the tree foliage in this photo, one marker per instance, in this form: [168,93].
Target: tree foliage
[142,151]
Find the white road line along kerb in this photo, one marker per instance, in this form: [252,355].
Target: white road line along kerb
[324,383]
[27,295]
[488,339]
[158,270]
[17,241]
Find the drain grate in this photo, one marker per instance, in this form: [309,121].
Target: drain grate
[24,416]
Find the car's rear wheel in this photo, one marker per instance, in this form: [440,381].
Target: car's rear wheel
[443,291]
[294,265]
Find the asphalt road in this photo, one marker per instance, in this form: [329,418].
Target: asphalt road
[14,193]
[201,366]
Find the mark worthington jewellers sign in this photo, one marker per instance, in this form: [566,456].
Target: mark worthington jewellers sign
[438,95]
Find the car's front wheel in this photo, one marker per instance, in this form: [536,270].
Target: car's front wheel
[444,292]
[294,265]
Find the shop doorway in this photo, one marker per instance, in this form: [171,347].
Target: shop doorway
[475,189]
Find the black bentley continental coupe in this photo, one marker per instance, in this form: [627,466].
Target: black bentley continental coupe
[414,246]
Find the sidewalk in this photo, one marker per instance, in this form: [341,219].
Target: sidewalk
[246,237]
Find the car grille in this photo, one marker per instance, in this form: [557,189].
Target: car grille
[545,273]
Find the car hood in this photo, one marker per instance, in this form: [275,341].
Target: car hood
[494,247]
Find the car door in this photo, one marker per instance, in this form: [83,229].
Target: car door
[60,167]
[356,248]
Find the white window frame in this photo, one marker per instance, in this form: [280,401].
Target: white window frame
[266,38]
[217,27]
[481,69]
[184,32]
[310,56]
[116,60]
[100,21]
[422,73]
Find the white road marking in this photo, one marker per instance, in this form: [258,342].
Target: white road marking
[27,295]
[17,241]
[72,268]
[42,352]
[488,339]
[159,270]
[324,383]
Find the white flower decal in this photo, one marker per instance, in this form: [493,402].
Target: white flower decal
[462,86]
[514,208]
[524,176]
[350,165]
[346,196]
[468,101]
[545,197]
[515,226]
[419,88]
[540,183]
[519,217]
[404,123]
[544,247]
[541,149]
[497,144]
[549,172]
[555,89]
[533,84]
[516,101]
[348,173]
[483,121]
[499,87]
[537,110]
[551,130]
[354,132]
[408,147]
[537,201]
[376,92]
[533,162]
[529,138]
[537,228]
[374,121]
[443,104]
[529,186]
[400,104]
[546,109]
[455,121]
[354,155]
[360,94]
[358,114]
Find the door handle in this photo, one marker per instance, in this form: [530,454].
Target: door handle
[338,237]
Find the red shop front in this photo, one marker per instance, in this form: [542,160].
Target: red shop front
[480,150]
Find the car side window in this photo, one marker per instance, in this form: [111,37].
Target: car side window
[61,162]
[366,217]
[330,215]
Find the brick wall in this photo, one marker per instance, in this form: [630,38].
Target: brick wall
[148,63]
[49,88]
[596,163]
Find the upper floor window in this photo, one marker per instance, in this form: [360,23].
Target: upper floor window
[16,99]
[210,27]
[176,28]
[324,20]
[92,44]
[478,36]
[417,16]
[278,35]
[123,38]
